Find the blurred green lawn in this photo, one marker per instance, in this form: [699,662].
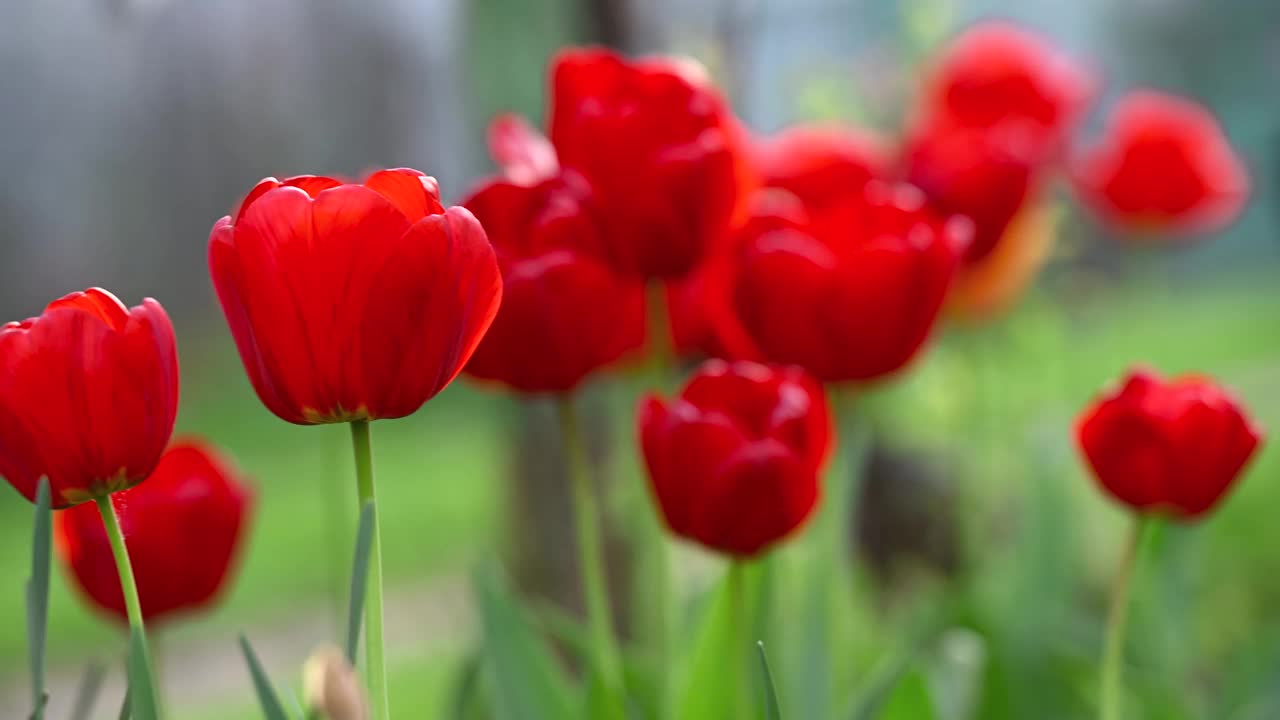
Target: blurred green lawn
[1207,602]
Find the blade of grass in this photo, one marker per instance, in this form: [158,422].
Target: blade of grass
[766,679]
[359,580]
[126,707]
[140,679]
[267,698]
[38,597]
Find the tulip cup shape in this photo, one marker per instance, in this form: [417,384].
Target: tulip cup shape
[996,72]
[564,312]
[185,527]
[1173,447]
[1163,166]
[352,302]
[88,396]
[660,149]
[734,460]
[856,305]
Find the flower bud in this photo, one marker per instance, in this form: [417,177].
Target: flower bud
[331,686]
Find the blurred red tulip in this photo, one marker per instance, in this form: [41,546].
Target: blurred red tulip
[88,396]
[987,175]
[1163,165]
[660,149]
[853,305]
[703,318]
[998,74]
[734,461]
[823,166]
[564,313]
[1173,447]
[353,302]
[184,527]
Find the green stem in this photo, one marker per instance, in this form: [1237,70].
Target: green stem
[742,654]
[132,604]
[375,661]
[658,607]
[1112,687]
[586,515]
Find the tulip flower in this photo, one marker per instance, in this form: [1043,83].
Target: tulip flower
[1160,447]
[734,460]
[1163,166]
[88,396]
[997,74]
[822,166]
[185,526]
[659,148]
[857,305]
[1173,447]
[564,312]
[986,175]
[350,303]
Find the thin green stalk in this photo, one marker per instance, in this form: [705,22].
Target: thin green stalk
[375,660]
[1111,705]
[132,605]
[586,516]
[742,654]
[658,608]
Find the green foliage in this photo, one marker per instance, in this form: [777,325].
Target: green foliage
[770,694]
[267,697]
[527,681]
[359,580]
[38,596]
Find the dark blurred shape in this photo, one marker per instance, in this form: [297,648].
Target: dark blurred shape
[907,516]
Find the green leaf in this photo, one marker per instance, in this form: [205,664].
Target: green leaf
[910,700]
[359,580]
[38,597]
[87,695]
[710,672]
[766,680]
[528,683]
[141,685]
[267,698]
[126,707]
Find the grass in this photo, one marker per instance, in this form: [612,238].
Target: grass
[1002,397]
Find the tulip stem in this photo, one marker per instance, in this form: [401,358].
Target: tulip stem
[659,606]
[132,604]
[586,515]
[661,342]
[375,662]
[1112,688]
[742,650]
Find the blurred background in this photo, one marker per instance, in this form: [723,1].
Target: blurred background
[129,126]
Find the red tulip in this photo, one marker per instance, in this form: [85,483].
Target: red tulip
[997,74]
[564,313]
[734,461]
[88,396]
[857,305]
[823,166]
[704,321]
[986,175]
[353,302]
[658,146]
[1164,165]
[1173,447]
[184,526]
